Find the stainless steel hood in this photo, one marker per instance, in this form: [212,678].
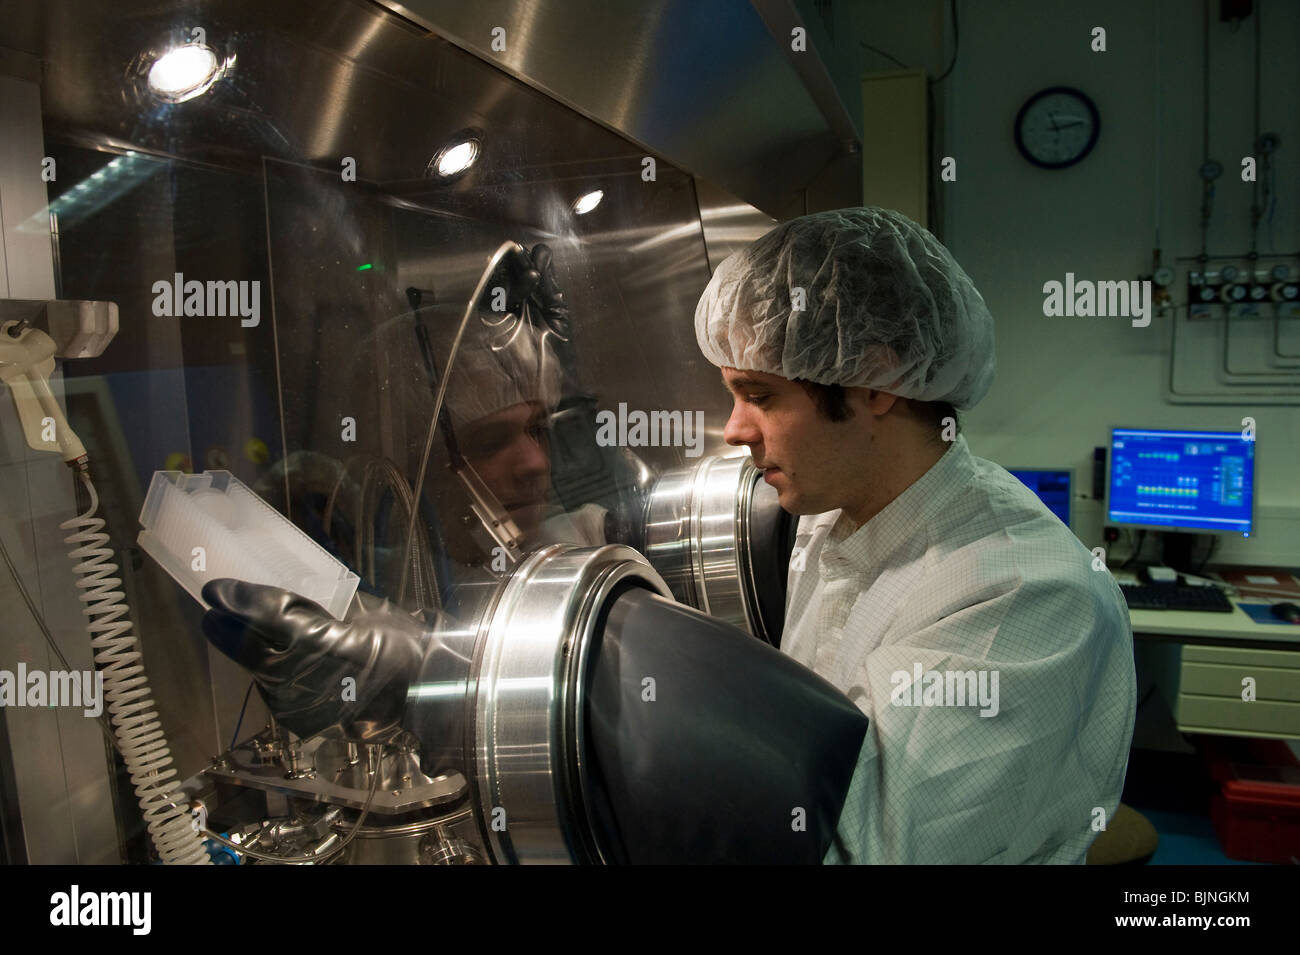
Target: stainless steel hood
[714,87]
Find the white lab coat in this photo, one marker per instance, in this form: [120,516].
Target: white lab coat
[967,571]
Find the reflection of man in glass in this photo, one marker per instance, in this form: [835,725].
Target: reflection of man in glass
[509,450]
[510,372]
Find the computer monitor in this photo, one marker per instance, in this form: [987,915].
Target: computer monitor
[1199,481]
[1051,486]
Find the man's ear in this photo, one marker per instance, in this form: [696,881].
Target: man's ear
[877,402]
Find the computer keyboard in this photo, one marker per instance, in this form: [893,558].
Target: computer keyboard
[1174,597]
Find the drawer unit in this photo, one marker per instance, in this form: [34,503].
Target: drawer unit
[1210,683]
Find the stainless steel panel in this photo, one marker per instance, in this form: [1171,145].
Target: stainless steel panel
[26,269]
[714,87]
[729,224]
[59,770]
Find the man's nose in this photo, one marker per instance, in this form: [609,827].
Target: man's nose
[533,458]
[740,429]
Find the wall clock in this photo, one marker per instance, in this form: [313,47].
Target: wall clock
[1057,127]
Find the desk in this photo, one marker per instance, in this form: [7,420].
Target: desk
[1234,629]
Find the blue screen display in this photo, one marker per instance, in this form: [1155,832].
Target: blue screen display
[1183,480]
[1052,488]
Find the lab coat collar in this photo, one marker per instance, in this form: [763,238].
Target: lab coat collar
[903,520]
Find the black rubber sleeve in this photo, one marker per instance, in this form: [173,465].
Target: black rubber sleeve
[708,746]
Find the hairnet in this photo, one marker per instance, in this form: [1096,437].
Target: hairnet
[499,364]
[502,361]
[884,306]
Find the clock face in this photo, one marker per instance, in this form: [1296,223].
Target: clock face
[1057,127]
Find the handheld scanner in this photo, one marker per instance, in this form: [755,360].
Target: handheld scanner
[26,363]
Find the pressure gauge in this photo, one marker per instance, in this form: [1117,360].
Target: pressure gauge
[1164,276]
[1229,273]
[1211,169]
[1280,273]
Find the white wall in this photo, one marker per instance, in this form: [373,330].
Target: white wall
[1064,382]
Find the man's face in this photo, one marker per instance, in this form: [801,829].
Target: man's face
[814,464]
[509,451]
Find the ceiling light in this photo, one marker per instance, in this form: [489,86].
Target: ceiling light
[184,72]
[588,202]
[455,159]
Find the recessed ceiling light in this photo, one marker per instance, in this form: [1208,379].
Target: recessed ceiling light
[586,203]
[456,158]
[184,72]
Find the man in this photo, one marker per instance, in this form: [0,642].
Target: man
[928,585]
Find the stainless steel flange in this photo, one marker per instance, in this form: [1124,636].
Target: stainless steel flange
[697,535]
[526,701]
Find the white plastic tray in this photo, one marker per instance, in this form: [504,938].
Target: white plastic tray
[202,527]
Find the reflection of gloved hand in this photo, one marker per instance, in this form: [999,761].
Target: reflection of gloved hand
[530,278]
[548,298]
[300,656]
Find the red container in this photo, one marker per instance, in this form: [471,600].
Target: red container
[1256,813]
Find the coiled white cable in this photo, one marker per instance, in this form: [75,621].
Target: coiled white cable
[136,723]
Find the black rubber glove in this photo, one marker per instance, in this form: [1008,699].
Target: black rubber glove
[547,297]
[300,657]
[530,278]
